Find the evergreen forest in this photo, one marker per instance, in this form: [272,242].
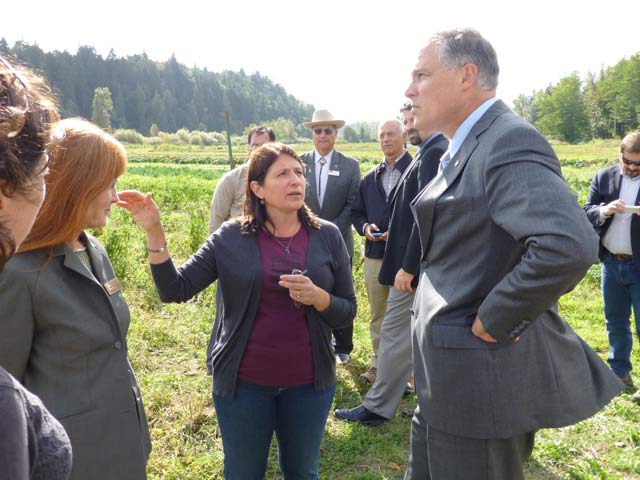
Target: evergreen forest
[144,92]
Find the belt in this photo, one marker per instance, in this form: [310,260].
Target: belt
[621,256]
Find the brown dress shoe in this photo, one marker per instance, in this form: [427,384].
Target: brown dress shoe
[627,380]
[370,375]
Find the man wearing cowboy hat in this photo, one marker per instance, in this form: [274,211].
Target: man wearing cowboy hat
[333,180]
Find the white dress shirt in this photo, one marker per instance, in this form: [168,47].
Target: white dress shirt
[618,236]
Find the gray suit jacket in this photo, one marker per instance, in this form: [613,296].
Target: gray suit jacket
[64,337]
[503,237]
[340,195]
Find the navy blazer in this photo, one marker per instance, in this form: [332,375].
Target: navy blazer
[604,189]
[373,206]
[234,260]
[403,246]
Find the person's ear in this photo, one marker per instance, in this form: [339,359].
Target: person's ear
[256,188]
[468,75]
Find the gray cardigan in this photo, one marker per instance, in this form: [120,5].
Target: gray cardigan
[234,260]
[63,336]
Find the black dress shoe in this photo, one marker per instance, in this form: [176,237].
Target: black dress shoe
[359,414]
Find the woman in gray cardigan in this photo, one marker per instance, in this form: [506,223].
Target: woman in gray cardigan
[33,444]
[286,282]
[64,336]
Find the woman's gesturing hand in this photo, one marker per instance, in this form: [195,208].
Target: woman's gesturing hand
[141,207]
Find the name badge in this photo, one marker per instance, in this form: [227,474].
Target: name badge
[113,286]
[334,173]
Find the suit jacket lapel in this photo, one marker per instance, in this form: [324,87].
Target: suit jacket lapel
[104,274]
[406,172]
[73,262]
[336,159]
[97,262]
[423,206]
[616,183]
[312,189]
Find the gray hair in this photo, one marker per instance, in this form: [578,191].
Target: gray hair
[391,120]
[460,46]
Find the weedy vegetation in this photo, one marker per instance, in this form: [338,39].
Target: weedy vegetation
[167,343]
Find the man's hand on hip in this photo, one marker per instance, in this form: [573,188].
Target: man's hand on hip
[403,281]
[478,330]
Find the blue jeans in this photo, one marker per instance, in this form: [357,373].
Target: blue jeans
[620,291]
[297,415]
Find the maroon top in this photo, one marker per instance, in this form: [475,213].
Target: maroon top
[278,352]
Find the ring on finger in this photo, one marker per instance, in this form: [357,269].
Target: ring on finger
[298,294]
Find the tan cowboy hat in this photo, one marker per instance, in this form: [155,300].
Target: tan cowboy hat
[323,117]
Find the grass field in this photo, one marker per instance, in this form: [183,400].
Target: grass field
[167,342]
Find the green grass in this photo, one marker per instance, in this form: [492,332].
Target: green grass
[167,343]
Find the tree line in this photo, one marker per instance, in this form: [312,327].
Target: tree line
[604,105]
[144,92]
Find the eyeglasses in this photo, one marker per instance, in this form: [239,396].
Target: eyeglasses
[629,162]
[327,131]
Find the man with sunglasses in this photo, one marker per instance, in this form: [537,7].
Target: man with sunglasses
[612,209]
[333,180]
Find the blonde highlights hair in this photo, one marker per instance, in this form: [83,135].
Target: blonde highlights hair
[85,160]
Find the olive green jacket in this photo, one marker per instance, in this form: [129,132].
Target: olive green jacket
[63,335]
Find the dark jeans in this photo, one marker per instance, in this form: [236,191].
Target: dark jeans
[297,415]
[620,291]
[437,455]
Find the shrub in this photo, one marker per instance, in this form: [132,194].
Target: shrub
[128,136]
[195,138]
[183,135]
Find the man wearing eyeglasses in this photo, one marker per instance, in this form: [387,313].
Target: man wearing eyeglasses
[612,209]
[333,180]
[228,198]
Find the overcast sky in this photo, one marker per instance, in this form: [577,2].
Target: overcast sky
[352,57]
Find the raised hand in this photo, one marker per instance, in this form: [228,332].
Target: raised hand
[141,207]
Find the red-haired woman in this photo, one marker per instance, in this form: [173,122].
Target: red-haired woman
[65,336]
[286,281]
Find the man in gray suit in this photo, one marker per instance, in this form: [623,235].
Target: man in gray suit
[502,238]
[333,180]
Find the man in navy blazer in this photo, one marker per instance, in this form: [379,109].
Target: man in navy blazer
[502,238]
[371,214]
[612,209]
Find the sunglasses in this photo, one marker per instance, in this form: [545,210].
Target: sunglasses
[629,162]
[327,131]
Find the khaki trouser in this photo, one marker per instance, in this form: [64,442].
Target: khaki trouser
[377,294]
